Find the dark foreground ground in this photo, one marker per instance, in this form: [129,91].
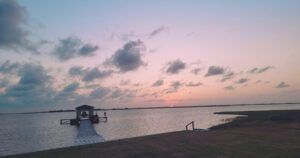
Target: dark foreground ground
[264,134]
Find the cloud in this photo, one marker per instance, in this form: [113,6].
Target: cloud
[282,85]
[33,88]
[13,32]
[71,87]
[229,88]
[100,93]
[76,71]
[260,70]
[12,19]
[33,75]
[128,36]
[4,82]
[119,94]
[215,70]
[192,84]
[228,76]
[8,67]
[158,31]
[153,94]
[174,67]
[129,57]
[89,74]
[72,47]
[242,81]
[95,73]
[174,86]
[195,71]
[158,83]
[88,50]
[137,84]
[124,82]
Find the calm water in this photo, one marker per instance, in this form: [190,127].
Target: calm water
[21,133]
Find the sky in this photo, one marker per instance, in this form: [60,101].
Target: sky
[59,54]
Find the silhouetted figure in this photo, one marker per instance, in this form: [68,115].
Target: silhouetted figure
[104,114]
[84,114]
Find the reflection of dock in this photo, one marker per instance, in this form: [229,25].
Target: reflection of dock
[85,118]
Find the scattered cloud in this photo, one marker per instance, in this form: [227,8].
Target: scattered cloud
[119,94]
[190,34]
[137,84]
[153,94]
[35,88]
[215,70]
[88,50]
[124,82]
[153,50]
[228,76]
[128,36]
[99,93]
[195,71]
[158,31]
[174,86]
[174,67]
[72,47]
[242,81]
[9,68]
[260,70]
[262,82]
[89,74]
[129,57]
[4,82]
[95,73]
[282,85]
[230,88]
[76,71]
[71,87]
[158,83]
[192,84]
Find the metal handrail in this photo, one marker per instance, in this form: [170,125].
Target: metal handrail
[191,123]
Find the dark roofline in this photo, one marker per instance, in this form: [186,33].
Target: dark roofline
[85,107]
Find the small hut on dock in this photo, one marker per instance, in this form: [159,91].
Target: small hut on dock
[84,112]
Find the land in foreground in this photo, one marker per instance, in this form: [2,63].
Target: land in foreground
[263,134]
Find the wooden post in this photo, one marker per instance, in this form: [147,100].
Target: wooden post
[193,125]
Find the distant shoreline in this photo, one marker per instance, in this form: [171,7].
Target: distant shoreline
[153,107]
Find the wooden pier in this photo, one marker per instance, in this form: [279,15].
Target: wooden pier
[85,118]
[87,134]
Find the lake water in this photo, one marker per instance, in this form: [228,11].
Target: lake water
[22,133]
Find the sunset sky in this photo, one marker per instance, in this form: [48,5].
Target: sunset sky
[59,54]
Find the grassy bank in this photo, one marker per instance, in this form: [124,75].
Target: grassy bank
[263,134]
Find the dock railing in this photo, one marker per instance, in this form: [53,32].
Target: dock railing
[65,121]
[191,123]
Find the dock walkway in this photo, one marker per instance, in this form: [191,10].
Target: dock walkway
[87,134]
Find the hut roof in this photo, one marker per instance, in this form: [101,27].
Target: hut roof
[84,107]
